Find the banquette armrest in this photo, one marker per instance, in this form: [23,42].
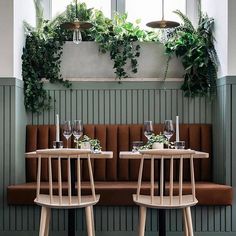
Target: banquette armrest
[117,177]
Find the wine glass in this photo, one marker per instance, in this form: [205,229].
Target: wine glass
[148,129]
[67,131]
[77,129]
[168,129]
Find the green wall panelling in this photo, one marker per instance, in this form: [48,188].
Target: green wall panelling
[125,103]
[110,102]
[12,126]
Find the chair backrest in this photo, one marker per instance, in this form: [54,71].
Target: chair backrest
[67,155]
[167,157]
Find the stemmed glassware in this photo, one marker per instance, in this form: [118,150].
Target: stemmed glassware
[67,131]
[77,129]
[168,129]
[148,129]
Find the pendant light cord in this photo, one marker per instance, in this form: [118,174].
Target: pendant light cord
[163,9]
[76,9]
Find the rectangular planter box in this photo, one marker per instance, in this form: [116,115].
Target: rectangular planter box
[85,61]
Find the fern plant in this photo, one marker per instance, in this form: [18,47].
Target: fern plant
[195,48]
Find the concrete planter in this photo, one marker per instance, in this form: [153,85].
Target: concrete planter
[158,146]
[85,61]
[85,145]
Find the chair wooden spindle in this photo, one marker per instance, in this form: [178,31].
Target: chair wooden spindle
[192,177]
[152,179]
[171,179]
[69,179]
[50,178]
[180,179]
[59,181]
[91,177]
[162,180]
[78,180]
[140,178]
[38,176]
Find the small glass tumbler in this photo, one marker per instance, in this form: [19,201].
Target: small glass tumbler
[137,145]
[57,144]
[179,144]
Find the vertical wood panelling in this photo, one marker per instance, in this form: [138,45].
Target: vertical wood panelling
[1,156]
[124,106]
[233,151]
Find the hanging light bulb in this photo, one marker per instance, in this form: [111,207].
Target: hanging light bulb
[77,37]
[77,26]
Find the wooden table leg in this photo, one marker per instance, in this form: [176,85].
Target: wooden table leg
[71,212]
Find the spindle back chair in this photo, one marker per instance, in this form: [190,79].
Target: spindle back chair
[73,198]
[161,200]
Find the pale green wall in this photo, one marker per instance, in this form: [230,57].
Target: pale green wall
[130,102]
[125,103]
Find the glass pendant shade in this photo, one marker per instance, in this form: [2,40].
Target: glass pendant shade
[77,37]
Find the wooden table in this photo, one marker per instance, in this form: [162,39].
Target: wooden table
[71,212]
[166,153]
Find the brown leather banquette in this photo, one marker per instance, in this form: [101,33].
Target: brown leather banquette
[116,179]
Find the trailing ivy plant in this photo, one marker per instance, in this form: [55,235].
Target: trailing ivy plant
[195,48]
[117,37]
[43,49]
[41,60]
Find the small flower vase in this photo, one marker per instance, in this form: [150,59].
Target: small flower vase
[158,145]
[85,145]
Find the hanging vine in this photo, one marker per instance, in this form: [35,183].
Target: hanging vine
[44,43]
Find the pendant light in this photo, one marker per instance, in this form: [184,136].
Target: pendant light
[163,24]
[77,26]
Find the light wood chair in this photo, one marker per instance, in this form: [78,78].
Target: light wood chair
[160,201]
[51,200]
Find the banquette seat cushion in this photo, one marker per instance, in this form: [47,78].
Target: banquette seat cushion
[116,179]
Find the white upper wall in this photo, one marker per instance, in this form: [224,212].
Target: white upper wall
[24,10]
[6,38]
[12,40]
[232,38]
[218,9]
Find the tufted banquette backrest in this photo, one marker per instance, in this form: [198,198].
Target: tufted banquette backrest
[118,138]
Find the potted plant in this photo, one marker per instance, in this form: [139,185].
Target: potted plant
[157,141]
[88,143]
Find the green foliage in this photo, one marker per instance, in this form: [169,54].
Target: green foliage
[118,39]
[195,48]
[94,143]
[43,49]
[42,55]
[159,138]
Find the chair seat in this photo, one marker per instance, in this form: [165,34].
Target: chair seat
[44,200]
[145,200]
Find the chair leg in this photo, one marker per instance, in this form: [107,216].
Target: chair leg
[185,222]
[43,221]
[89,221]
[142,220]
[189,220]
[92,218]
[47,223]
